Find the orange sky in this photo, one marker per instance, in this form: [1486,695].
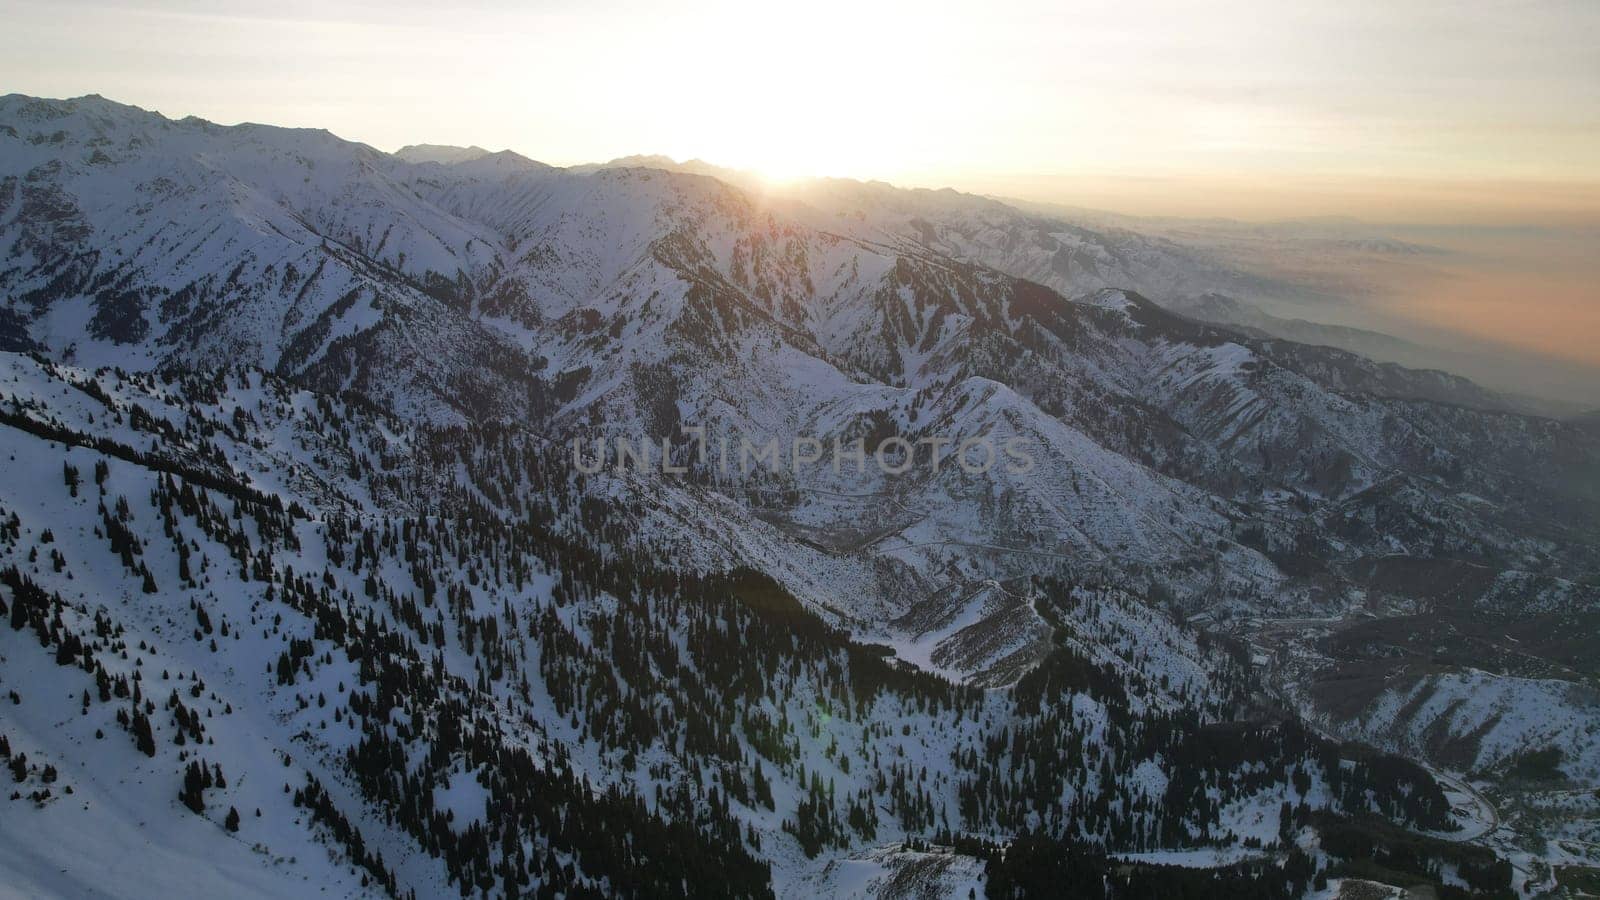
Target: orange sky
[1384,199]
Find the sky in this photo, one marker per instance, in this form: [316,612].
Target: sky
[1483,111]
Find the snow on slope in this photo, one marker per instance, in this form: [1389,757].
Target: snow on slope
[262,634]
[1494,719]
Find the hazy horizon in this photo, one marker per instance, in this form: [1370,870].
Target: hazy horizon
[1566,206]
[1480,112]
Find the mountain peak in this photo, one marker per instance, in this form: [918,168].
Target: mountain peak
[444,154]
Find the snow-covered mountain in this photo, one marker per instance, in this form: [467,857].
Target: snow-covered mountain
[1070,254]
[439,153]
[327,395]
[1289,279]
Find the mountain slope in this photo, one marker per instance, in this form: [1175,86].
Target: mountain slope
[385,683]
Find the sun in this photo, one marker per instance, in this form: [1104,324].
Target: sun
[776,179]
[778,161]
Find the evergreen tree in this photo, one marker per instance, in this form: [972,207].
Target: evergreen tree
[193,793]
